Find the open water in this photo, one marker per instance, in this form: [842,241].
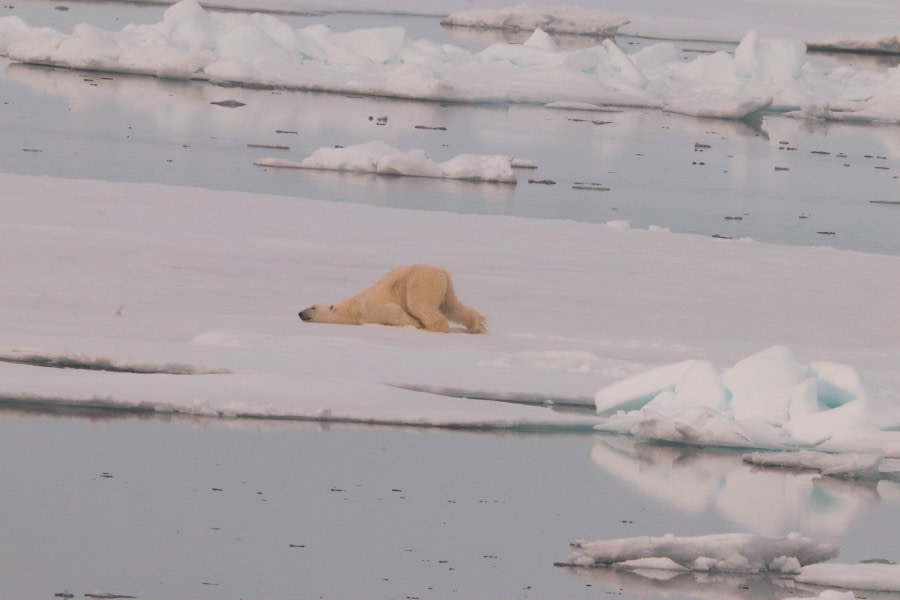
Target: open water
[773,178]
[218,509]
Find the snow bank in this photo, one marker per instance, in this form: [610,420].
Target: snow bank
[260,50]
[723,553]
[837,465]
[767,400]
[882,577]
[383,159]
[552,19]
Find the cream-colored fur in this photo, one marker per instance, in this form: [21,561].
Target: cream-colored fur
[417,295]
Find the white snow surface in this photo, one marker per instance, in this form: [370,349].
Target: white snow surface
[552,19]
[838,465]
[767,399]
[881,577]
[258,49]
[383,159]
[185,300]
[718,553]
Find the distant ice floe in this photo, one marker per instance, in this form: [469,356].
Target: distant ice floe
[261,50]
[767,400]
[722,553]
[383,159]
[552,19]
[795,556]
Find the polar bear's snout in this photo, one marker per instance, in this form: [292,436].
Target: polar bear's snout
[304,314]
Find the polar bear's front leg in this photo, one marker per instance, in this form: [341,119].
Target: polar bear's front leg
[429,315]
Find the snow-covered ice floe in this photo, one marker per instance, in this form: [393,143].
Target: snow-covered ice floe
[767,400]
[552,19]
[720,553]
[115,285]
[261,50]
[874,576]
[383,159]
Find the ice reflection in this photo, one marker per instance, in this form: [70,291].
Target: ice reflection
[701,586]
[764,501]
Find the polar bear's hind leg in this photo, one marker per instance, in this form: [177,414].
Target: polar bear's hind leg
[424,299]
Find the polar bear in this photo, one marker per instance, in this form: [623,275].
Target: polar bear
[418,295]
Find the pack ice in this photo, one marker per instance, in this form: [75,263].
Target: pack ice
[261,50]
[767,400]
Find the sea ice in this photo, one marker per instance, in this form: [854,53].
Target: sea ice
[383,159]
[767,400]
[212,280]
[722,553]
[874,576]
[553,19]
[256,49]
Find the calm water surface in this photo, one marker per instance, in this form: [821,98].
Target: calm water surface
[773,179]
[159,508]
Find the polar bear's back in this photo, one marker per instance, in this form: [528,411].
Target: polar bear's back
[402,284]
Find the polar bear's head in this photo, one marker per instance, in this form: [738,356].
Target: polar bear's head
[319,313]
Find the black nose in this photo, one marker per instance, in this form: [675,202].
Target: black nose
[303,316]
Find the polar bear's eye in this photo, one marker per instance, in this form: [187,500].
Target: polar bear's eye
[331,307]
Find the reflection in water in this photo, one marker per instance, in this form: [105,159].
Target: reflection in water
[702,586]
[764,501]
[759,500]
